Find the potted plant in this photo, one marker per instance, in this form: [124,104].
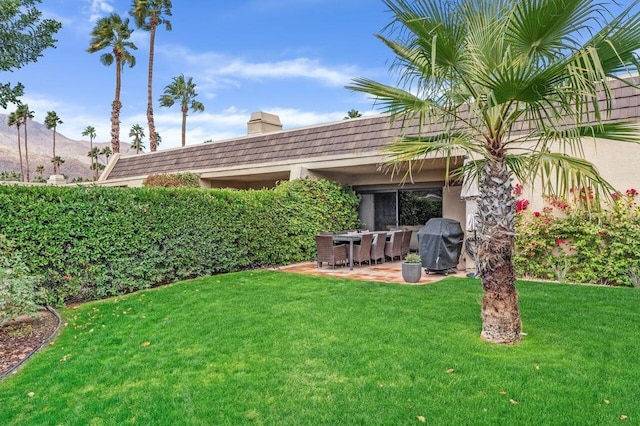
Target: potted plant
[412,268]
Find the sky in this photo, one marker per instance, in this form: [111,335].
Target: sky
[286,57]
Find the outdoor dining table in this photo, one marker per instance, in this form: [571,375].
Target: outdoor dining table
[351,238]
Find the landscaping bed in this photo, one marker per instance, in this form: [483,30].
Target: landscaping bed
[22,336]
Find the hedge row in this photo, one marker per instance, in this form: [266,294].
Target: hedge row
[91,242]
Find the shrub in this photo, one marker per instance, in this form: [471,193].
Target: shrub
[565,242]
[18,295]
[175,180]
[90,242]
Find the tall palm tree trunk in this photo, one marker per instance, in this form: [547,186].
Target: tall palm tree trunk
[496,210]
[55,167]
[20,155]
[185,110]
[26,150]
[153,143]
[115,110]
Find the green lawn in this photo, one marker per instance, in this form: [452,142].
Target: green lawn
[278,348]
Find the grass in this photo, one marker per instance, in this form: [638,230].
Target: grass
[278,348]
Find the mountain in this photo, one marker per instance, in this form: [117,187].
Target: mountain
[40,142]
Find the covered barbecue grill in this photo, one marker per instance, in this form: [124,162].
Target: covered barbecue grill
[440,244]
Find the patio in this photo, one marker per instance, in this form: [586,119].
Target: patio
[390,272]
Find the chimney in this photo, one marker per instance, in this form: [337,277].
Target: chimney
[263,122]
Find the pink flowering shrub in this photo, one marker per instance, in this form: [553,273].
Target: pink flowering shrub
[564,242]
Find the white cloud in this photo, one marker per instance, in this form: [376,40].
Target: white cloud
[99,8]
[218,69]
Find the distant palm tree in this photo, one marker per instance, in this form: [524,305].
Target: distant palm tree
[148,14]
[106,151]
[90,132]
[137,133]
[114,32]
[40,169]
[93,155]
[353,113]
[158,139]
[25,114]
[16,120]
[184,91]
[57,161]
[51,121]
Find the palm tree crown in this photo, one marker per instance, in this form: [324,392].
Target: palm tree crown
[516,85]
[148,14]
[114,32]
[137,133]
[183,91]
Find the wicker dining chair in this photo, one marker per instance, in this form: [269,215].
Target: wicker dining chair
[362,251]
[393,247]
[330,253]
[377,247]
[406,242]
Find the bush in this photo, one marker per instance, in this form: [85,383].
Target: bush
[18,294]
[176,180]
[566,243]
[90,242]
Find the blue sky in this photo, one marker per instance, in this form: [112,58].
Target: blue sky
[287,57]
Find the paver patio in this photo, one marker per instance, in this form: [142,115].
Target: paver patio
[390,272]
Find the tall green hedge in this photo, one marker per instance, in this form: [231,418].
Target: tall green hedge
[90,242]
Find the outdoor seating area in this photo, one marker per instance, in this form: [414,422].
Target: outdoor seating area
[361,247]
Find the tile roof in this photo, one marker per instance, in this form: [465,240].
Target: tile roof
[346,138]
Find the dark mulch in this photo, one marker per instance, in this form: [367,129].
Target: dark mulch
[21,336]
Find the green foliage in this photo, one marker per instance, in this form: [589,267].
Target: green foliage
[10,176]
[416,209]
[18,294]
[173,180]
[24,35]
[91,242]
[564,242]
[412,258]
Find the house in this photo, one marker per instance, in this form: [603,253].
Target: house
[350,152]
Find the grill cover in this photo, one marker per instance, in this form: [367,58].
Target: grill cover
[440,244]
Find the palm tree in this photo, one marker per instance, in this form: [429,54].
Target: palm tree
[51,121]
[352,113]
[106,151]
[516,85]
[114,32]
[93,155]
[24,113]
[40,169]
[57,161]
[137,133]
[184,91]
[90,132]
[16,120]
[148,14]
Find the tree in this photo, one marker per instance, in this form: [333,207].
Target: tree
[51,121]
[24,35]
[137,133]
[114,32]
[57,161]
[515,85]
[90,132]
[16,120]
[352,113]
[106,151]
[24,113]
[40,169]
[148,14]
[184,91]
